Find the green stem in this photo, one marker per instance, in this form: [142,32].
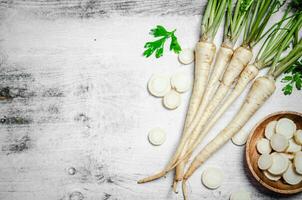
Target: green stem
[286,65]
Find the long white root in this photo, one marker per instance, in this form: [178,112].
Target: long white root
[261,90]
[222,60]
[240,59]
[204,55]
[247,75]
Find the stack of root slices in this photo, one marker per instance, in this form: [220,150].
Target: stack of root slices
[281,155]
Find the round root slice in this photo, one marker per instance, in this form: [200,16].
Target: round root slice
[298,162]
[186,56]
[157,136]
[293,147]
[181,82]
[265,161]
[280,164]
[279,142]
[172,100]
[212,178]
[240,195]
[270,129]
[271,176]
[298,137]
[291,177]
[240,138]
[286,127]
[263,146]
[159,85]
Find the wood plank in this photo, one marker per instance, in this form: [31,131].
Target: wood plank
[73,94]
[103,8]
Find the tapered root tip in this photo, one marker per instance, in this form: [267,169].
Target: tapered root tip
[175,184]
[152,178]
[184,190]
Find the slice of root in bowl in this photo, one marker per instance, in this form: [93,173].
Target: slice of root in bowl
[279,165]
[279,142]
[263,146]
[291,176]
[298,162]
[270,129]
[271,176]
[252,155]
[298,137]
[265,161]
[286,127]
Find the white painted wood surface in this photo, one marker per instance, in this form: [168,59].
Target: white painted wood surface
[73,94]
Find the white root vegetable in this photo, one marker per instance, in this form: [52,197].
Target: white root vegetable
[248,74]
[265,161]
[261,90]
[298,137]
[286,127]
[279,142]
[293,147]
[240,195]
[181,82]
[204,55]
[159,85]
[263,146]
[240,59]
[271,176]
[291,177]
[270,129]
[280,164]
[298,162]
[212,178]
[157,136]
[240,138]
[172,100]
[186,56]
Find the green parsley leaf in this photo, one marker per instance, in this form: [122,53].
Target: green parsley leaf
[157,46]
[174,44]
[294,79]
[158,31]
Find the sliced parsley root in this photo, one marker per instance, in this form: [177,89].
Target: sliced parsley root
[157,46]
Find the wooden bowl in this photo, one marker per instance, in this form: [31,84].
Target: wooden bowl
[252,154]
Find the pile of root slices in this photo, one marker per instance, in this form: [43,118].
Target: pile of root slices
[169,88]
[281,155]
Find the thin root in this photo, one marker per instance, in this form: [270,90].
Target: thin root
[184,190]
[152,178]
[175,184]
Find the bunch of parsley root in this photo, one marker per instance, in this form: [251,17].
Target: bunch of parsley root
[222,74]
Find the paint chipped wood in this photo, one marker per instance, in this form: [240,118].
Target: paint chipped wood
[73,95]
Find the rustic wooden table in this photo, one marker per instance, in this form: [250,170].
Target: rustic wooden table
[75,112]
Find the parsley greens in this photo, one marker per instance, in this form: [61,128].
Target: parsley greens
[157,46]
[293,79]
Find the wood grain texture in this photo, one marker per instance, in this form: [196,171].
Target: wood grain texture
[105,8]
[73,94]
